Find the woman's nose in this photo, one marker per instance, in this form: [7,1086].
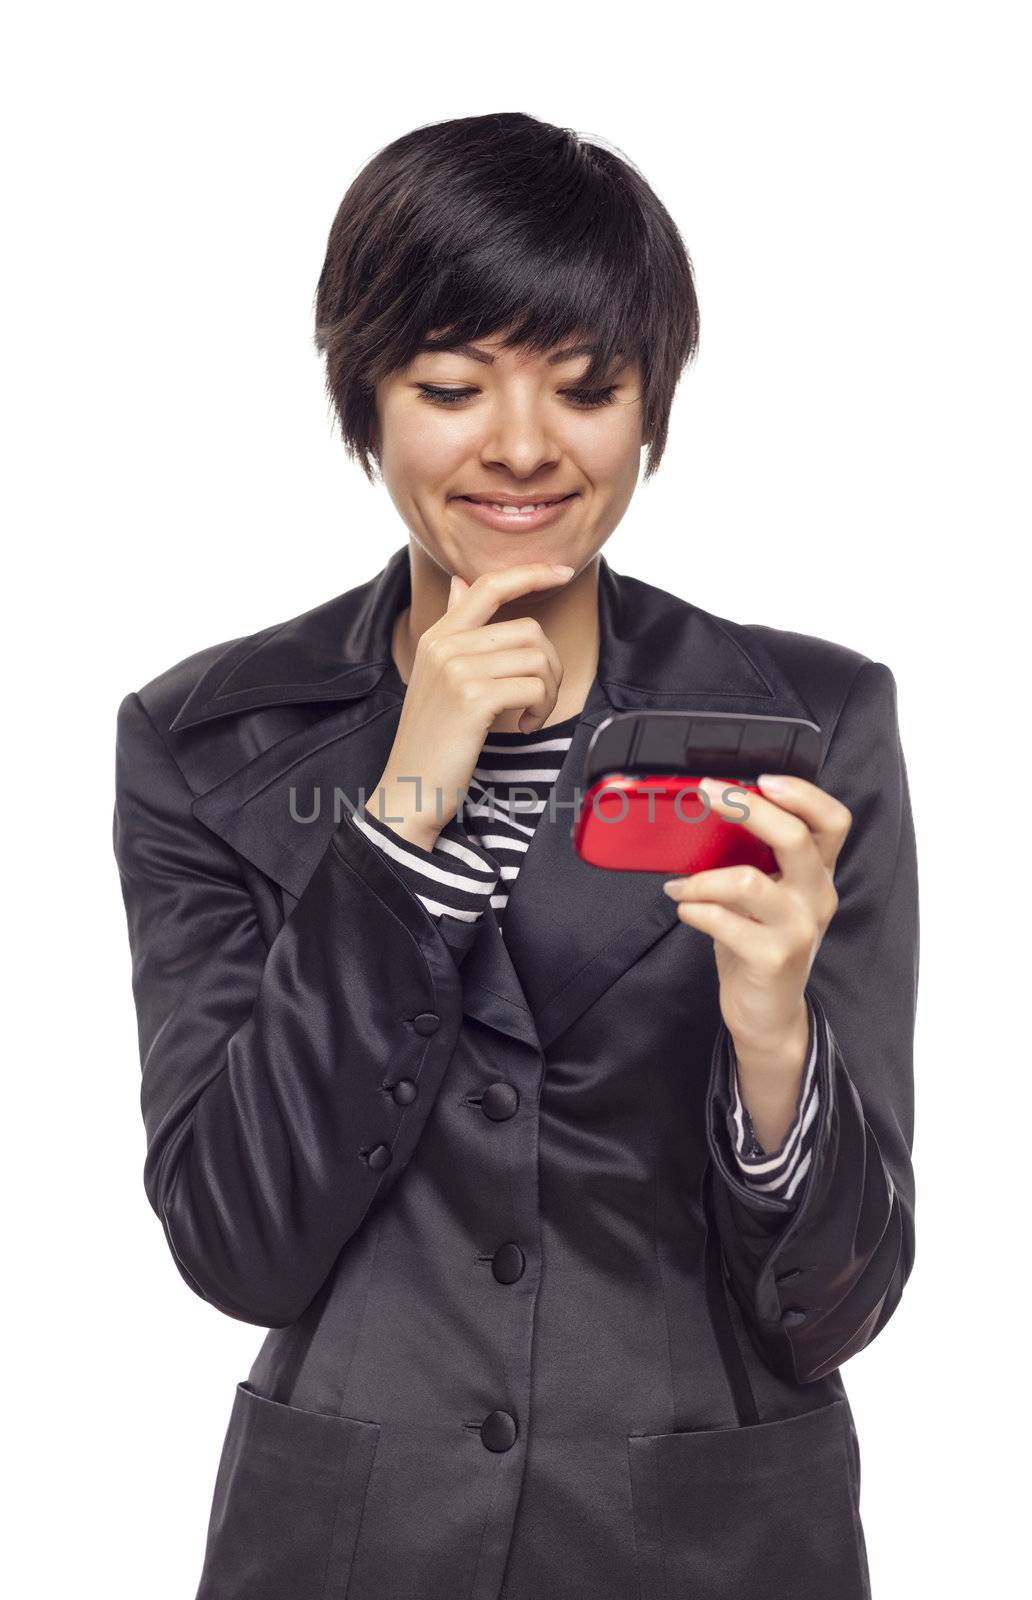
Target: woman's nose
[517,437]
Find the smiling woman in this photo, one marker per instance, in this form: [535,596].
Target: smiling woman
[472,1127]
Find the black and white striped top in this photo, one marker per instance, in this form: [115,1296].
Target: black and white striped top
[474,863]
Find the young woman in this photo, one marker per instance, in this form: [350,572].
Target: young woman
[563,1193]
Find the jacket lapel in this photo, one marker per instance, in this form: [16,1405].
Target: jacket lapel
[570,930]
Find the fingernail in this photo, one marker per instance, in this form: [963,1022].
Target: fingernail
[673,886]
[558,567]
[771,781]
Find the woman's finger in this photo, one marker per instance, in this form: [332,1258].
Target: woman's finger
[518,633]
[742,888]
[480,599]
[745,939]
[804,826]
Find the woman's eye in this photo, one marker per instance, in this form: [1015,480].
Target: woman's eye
[443,397]
[593,397]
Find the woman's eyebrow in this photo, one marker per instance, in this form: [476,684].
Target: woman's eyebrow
[568,353]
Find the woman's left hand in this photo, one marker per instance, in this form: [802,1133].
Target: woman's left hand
[767,928]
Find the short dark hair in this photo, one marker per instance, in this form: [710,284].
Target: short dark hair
[502,224]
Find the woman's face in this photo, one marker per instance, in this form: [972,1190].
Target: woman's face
[503,426]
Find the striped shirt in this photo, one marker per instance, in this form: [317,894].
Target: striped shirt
[474,863]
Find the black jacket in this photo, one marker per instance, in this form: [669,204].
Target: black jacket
[530,1333]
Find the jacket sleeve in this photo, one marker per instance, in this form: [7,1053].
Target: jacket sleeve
[268,1070]
[819,1274]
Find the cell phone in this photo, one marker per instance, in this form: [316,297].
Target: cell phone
[641,810]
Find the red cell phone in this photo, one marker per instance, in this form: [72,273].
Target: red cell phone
[641,810]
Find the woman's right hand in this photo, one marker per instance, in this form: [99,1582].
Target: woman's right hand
[466,671]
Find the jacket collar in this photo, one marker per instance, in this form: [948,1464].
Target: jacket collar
[570,930]
[654,649]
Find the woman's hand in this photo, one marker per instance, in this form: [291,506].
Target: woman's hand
[467,670]
[766,931]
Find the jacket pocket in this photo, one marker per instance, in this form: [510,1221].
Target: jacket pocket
[288,1502]
[770,1509]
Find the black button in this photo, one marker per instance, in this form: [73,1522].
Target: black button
[499,1102]
[793,1315]
[426,1022]
[498,1430]
[404,1091]
[379,1156]
[508,1263]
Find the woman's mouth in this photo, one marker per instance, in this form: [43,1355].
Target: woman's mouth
[510,516]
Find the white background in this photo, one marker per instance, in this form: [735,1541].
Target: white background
[843,461]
